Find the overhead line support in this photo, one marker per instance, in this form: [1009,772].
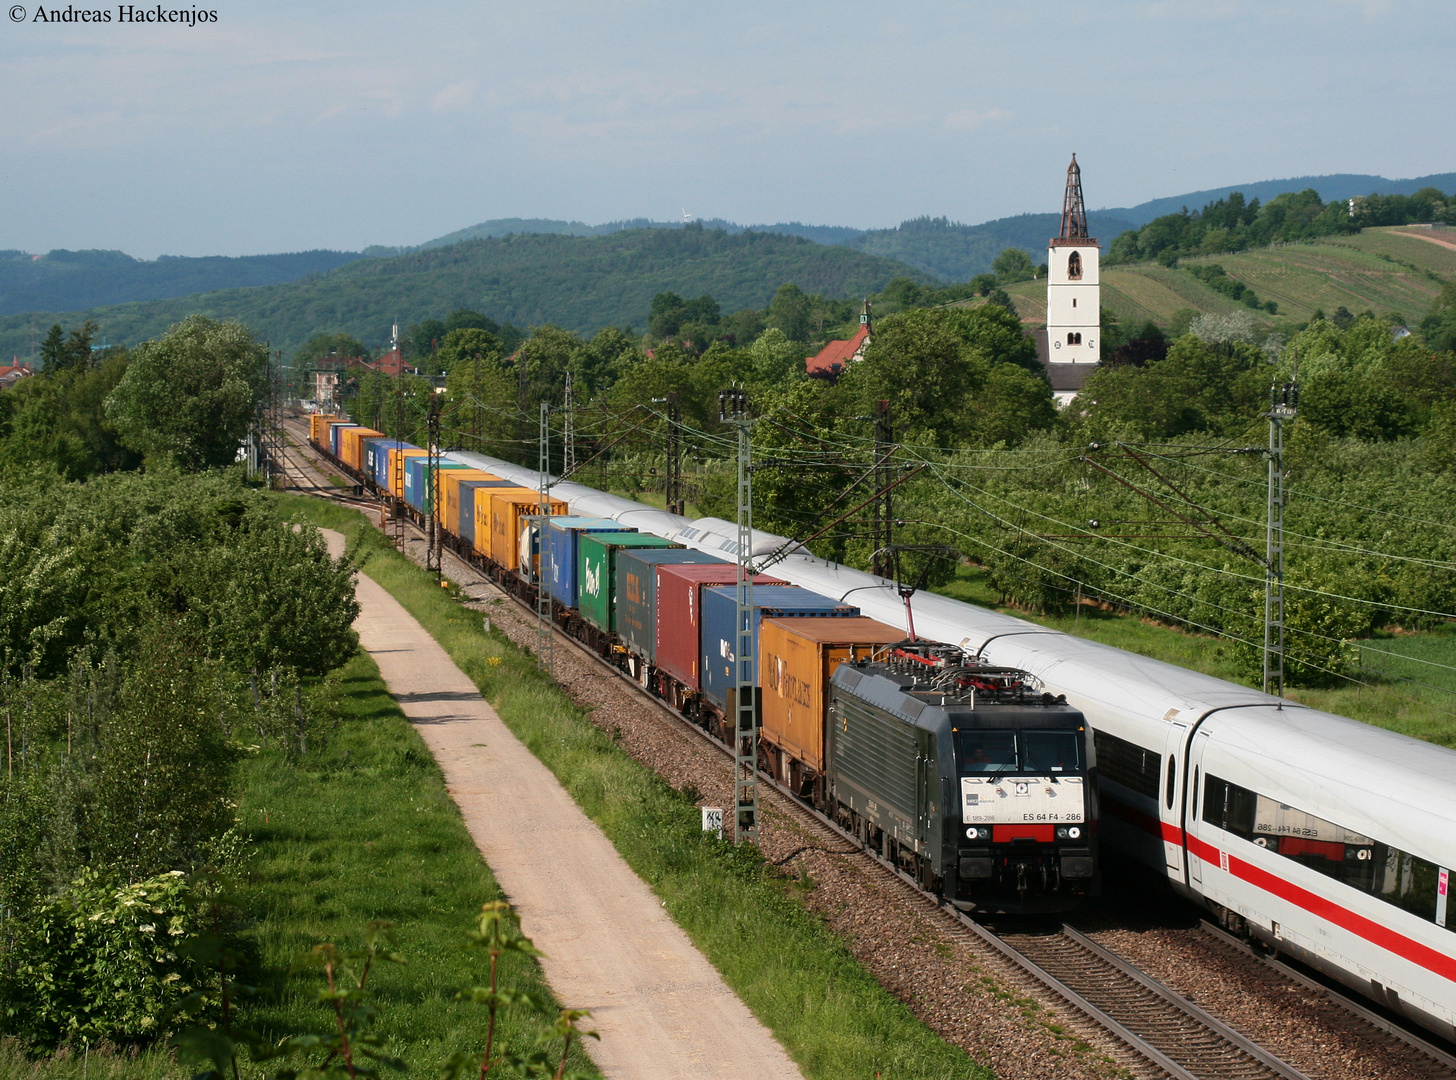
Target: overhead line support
[733,411]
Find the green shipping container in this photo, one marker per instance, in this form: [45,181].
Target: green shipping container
[596,571]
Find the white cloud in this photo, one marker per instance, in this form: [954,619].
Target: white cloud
[456,96]
[971,119]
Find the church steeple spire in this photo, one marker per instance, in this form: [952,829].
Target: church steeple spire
[1074,213]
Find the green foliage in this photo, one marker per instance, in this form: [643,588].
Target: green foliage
[1013,265]
[1214,276]
[1439,325]
[105,961]
[321,345]
[1231,224]
[936,367]
[190,396]
[579,283]
[1196,386]
[56,418]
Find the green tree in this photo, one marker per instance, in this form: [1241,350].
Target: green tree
[191,395]
[790,312]
[1013,265]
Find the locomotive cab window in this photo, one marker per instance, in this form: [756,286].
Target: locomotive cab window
[1039,753]
[1053,752]
[986,751]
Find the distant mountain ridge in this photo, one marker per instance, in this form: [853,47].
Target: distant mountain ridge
[70,281]
[579,283]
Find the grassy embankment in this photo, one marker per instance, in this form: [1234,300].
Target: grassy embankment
[830,1014]
[1390,701]
[361,829]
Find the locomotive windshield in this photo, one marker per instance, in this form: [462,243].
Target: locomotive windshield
[1039,753]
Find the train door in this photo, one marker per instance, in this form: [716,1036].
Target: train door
[1170,800]
[1191,821]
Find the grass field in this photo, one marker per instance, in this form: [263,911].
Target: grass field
[1411,692]
[361,829]
[830,1014]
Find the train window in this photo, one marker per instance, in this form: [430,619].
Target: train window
[987,751]
[1193,799]
[1172,780]
[1049,752]
[1127,763]
[1349,857]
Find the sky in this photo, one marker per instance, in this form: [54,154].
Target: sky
[291,126]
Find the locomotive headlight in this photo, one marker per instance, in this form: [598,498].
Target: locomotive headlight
[974,833]
[1069,832]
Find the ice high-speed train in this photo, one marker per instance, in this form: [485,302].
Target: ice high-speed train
[1330,840]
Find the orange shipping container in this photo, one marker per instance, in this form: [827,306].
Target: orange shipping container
[396,468]
[483,514]
[351,445]
[797,658]
[447,493]
[507,507]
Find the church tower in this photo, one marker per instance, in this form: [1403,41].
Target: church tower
[1074,308]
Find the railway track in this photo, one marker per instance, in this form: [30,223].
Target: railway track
[1172,1035]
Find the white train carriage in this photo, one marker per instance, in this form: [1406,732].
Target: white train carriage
[1331,840]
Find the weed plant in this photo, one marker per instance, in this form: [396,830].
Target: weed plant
[829,1013]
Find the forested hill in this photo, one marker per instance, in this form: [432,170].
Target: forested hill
[68,280]
[578,283]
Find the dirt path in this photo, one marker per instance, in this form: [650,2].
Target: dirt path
[661,1008]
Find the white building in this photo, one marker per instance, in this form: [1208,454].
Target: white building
[1073,293]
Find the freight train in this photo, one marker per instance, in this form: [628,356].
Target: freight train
[1326,839]
[969,777]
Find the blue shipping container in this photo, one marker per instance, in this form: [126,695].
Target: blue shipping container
[380,468]
[334,432]
[634,616]
[720,627]
[562,553]
[369,448]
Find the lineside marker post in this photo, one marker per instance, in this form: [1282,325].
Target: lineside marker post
[733,410]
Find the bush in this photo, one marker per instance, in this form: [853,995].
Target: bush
[103,961]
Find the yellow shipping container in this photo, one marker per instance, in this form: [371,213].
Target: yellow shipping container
[351,445]
[318,427]
[796,659]
[483,515]
[396,468]
[507,507]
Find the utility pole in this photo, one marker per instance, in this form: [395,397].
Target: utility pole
[1283,405]
[432,488]
[673,488]
[882,562]
[568,433]
[545,636]
[733,410]
[398,483]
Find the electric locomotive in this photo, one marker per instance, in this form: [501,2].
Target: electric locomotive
[967,776]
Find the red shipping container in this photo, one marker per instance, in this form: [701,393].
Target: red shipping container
[679,611]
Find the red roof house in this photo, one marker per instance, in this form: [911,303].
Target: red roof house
[831,360]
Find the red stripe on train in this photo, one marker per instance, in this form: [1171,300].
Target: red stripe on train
[1319,906]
